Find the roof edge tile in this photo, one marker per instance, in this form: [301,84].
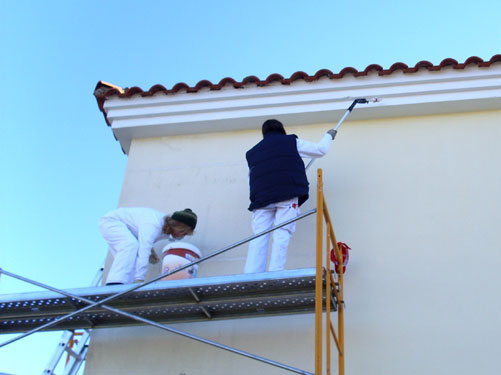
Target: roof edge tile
[104,90]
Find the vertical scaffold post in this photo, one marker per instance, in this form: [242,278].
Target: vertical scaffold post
[340,293]
[327,303]
[340,313]
[318,281]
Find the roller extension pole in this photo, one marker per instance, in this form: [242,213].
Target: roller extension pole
[348,111]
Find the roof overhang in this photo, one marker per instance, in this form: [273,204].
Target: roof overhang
[324,100]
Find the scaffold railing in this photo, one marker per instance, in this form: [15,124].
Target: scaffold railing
[322,278]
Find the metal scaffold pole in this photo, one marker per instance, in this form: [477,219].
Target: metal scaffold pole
[93,304]
[164,327]
[101,303]
[318,286]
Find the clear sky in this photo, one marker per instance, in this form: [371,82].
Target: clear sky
[60,165]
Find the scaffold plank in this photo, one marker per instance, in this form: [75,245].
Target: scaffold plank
[219,297]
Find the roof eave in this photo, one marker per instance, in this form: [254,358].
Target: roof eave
[424,92]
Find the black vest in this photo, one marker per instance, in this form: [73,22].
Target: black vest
[276,171]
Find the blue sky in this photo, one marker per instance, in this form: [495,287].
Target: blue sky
[61,167]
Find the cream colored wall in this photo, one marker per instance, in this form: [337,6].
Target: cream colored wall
[207,173]
[416,198]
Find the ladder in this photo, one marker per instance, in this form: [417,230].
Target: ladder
[74,343]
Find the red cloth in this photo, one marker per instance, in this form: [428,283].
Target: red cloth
[346,255]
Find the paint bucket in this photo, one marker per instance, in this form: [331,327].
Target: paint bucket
[178,254]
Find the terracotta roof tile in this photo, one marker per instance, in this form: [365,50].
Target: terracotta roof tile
[372,67]
[323,73]
[105,90]
[157,88]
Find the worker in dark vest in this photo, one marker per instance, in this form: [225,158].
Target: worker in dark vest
[278,186]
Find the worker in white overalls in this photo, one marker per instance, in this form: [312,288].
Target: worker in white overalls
[131,232]
[278,186]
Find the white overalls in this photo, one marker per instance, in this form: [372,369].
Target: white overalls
[130,233]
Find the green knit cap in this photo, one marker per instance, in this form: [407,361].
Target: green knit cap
[186,216]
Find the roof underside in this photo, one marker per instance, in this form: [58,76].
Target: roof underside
[300,99]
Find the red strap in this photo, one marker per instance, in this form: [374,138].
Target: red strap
[181,252]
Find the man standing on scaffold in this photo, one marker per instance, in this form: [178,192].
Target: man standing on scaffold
[278,186]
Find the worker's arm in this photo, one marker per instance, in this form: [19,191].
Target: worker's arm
[147,235]
[308,149]
[153,258]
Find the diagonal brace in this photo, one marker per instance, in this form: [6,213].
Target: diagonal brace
[164,327]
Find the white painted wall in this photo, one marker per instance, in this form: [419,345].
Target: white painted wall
[417,199]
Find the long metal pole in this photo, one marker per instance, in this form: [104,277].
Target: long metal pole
[115,296]
[348,111]
[162,326]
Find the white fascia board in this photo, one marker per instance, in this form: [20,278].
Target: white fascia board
[301,103]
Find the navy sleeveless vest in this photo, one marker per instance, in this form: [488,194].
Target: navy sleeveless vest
[276,171]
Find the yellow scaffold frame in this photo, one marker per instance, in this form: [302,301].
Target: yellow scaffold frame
[330,286]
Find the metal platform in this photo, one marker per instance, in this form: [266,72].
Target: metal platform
[199,299]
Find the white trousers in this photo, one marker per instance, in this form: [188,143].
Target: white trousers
[124,248]
[262,219]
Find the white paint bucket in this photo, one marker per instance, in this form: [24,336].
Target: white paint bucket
[178,254]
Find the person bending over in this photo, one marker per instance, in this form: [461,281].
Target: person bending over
[131,232]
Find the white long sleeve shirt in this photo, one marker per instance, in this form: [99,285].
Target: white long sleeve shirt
[309,149]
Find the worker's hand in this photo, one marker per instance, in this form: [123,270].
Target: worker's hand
[332,133]
[153,257]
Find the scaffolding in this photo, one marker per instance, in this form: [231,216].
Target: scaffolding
[155,303]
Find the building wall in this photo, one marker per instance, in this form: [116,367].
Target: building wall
[416,198]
